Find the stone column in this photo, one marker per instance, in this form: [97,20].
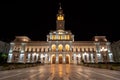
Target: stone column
[71,52]
[88,57]
[46,57]
[37,55]
[41,57]
[109,52]
[75,58]
[83,58]
[28,57]
[64,58]
[79,56]
[10,56]
[64,37]
[50,36]
[64,53]
[56,36]
[73,37]
[57,54]
[50,50]
[49,57]
[57,60]
[32,57]
[96,58]
[92,58]
[22,52]
[71,57]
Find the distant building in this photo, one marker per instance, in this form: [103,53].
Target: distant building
[4,47]
[116,51]
[60,47]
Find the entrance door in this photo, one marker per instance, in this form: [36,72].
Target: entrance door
[53,59]
[60,59]
[67,59]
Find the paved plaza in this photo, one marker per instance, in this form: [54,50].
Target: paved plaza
[60,72]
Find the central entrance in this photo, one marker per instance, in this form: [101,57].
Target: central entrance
[60,59]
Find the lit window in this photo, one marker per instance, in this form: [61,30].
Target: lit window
[60,17]
[53,37]
[68,37]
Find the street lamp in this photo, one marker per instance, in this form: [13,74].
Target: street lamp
[104,53]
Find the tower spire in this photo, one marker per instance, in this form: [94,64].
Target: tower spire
[60,6]
[60,19]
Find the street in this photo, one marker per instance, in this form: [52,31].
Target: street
[60,72]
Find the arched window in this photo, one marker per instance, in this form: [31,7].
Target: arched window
[53,47]
[60,47]
[67,47]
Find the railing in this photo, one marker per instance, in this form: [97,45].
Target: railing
[60,39]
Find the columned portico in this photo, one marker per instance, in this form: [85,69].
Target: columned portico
[62,59]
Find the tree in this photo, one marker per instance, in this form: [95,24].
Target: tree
[3,57]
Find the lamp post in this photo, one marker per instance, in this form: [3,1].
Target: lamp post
[104,53]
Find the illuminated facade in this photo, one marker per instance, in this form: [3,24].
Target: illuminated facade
[60,47]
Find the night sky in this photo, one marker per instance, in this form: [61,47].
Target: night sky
[84,18]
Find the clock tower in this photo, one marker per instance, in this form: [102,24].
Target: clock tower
[60,22]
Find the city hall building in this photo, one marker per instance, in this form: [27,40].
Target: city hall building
[60,47]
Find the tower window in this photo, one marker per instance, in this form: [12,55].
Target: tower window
[60,17]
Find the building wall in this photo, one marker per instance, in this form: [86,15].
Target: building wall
[116,51]
[4,47]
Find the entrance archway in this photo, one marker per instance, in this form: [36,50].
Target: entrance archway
[67,58]
[53,59]
[60,59]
